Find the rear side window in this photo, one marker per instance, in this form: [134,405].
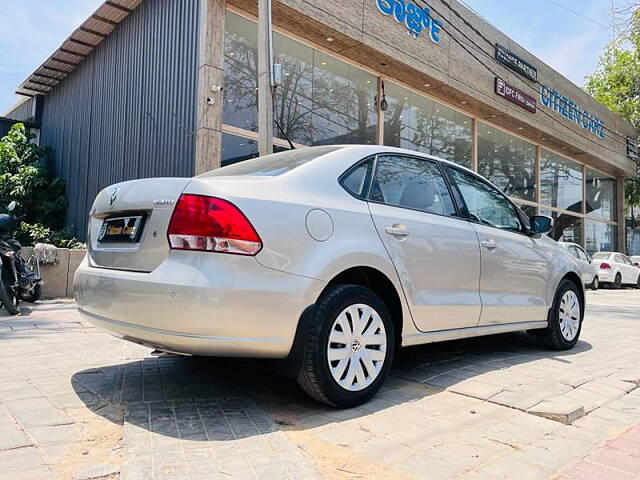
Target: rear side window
[412,183]
[272,165]
[356,180]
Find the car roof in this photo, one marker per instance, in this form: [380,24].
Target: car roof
[377,149]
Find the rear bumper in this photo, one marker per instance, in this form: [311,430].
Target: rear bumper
[199,303]
[606,276]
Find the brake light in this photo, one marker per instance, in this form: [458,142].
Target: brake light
[605,266]
[212,225]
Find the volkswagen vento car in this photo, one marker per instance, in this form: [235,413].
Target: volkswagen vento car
[329,257]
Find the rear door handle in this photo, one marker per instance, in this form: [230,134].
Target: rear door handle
[397,230]
[489,245]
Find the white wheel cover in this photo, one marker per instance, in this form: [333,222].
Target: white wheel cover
[569,315]
[357,347]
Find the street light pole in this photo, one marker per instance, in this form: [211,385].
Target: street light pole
[265,81]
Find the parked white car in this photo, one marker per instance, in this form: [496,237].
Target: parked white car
[635,259]
[616,269]
[588,271]
[328,257]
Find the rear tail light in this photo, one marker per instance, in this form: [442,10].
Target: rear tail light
[211,224]
[605,266]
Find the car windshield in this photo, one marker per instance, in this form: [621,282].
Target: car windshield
[601,255]
[274,164]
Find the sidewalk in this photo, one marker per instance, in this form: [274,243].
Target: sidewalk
[76,403]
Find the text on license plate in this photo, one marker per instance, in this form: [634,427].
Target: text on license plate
[122,229]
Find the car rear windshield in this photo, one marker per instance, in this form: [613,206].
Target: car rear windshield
[274,164]
[601,255]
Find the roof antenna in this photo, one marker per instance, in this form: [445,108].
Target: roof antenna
[284,134]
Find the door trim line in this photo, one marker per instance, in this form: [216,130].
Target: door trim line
[468,332]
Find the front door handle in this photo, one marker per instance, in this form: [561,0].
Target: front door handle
[489,245]
[397,230]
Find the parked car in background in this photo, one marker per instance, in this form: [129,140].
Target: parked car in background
[616,269]
[635,259]
[588,271]
[329,257]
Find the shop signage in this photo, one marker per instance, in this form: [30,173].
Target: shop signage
[515,63]
[415,18]
[516,96]
[570,110]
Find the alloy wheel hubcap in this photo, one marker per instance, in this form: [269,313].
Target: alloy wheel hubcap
[569,315]
[357,347]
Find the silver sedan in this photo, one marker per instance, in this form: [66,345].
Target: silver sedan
[330,258]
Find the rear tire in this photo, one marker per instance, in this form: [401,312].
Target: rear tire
[9,299]
[617,283]
[35,294]
[565,318]
[361,343]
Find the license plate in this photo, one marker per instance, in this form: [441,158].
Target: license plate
[124,229]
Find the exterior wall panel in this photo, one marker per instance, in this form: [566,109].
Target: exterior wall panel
[128,110]
[22,112]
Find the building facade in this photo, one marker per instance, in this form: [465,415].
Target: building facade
[170,87]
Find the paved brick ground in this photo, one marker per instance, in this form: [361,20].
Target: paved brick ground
[76,403]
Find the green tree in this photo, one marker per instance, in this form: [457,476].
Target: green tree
[616,84]
[40,196]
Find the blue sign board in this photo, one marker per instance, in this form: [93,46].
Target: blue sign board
[570,110]
[415,18]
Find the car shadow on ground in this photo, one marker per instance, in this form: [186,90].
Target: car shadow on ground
[204,399]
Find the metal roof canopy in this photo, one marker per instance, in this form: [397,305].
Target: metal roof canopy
[79,45]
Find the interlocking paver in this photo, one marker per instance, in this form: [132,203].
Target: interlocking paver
[62,383]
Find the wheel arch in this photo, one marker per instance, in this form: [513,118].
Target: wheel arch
[366,276]
[577,280]
[381,285]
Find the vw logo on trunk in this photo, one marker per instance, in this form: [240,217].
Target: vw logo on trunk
[114,196]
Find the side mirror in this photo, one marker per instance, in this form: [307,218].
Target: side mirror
[540,224]
[12,206]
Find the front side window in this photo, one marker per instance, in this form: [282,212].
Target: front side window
[412,183]
[485,204]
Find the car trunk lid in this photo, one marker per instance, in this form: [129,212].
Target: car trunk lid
[128,223]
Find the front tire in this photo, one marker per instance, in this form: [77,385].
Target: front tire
[565,318]
[595,284]
[349,348]
[8,297]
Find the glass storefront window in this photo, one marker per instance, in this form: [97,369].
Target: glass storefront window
[240,73]
[560,182]
[415,122]
[323,100]
[601,195]
[566,227]
[236,149]
[507,161]
[529,210]
[601,237]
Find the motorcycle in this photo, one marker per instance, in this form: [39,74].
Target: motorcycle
[19,279]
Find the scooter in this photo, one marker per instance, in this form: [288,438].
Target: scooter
[19,279]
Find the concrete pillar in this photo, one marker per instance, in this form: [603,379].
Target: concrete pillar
[265,94]
[210,82]
[620,216]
